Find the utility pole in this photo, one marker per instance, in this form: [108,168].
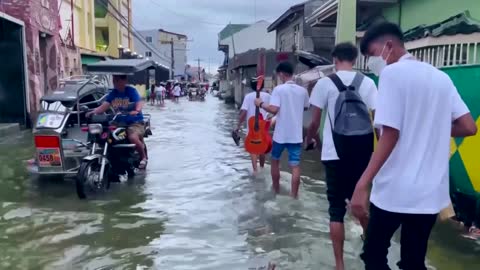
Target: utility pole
[172,52]
[172,56]
[173,59]
[199,70]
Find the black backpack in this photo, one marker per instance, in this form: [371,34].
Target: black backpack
[352,129]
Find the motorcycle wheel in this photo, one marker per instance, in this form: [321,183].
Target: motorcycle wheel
[87,183]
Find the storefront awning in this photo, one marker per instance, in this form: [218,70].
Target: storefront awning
[91,59]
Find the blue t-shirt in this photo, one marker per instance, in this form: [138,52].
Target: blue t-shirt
[125,102]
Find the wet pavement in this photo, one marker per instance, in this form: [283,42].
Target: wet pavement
[196,207]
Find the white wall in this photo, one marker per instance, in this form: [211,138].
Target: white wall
[140,48]
[253,37]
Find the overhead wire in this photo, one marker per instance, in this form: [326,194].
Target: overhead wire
[186,16]
[133,31]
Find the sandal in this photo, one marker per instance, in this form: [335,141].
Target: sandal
[473,233]
[143,164]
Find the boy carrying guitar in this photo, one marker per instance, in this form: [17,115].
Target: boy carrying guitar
[248,110]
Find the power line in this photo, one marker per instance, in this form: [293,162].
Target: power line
[106,4]
[135,32]
[186,16]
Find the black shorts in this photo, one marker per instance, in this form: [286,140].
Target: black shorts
[341,181]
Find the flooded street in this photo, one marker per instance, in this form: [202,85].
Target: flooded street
[196,207]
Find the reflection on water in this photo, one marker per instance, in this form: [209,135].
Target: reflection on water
[196,207]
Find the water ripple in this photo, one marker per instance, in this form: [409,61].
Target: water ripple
[198,206]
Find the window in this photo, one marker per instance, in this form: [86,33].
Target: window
[67,62]
[148,54]
[296,36]
[149,39]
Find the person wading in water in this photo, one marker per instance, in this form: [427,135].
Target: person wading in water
[418,110]
[248,110]
[288,103]
[343,169]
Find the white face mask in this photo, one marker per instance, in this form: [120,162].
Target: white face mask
[376,63]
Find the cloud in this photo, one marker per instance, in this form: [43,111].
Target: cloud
[201,20]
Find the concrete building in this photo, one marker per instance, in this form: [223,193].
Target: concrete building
[164,43]
[195,74]
[32,48]
[93,31]
[113,26]
[235,40]
[447,36]
[253,36]
[78,23]
[294,34]
[76,34]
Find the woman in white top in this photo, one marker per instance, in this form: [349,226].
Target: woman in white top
[177,91]
[160,93]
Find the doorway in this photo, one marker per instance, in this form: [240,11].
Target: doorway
[13,84]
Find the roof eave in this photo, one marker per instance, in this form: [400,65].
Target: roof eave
[279,20]
[326,10]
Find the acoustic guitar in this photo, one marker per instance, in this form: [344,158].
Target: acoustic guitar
[258,140]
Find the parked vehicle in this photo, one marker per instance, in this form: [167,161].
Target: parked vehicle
[111,154]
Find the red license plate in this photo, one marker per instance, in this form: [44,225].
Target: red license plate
[49,157]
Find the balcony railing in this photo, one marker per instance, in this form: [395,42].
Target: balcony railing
[443,55]
[449,55]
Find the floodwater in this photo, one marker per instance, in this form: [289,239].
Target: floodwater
[196,207]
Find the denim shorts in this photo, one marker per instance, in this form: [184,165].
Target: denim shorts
[294,152]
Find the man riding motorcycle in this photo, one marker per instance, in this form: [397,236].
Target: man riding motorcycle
[120,99]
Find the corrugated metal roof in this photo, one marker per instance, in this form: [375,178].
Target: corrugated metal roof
[290,11]
[461,23]
[231,29]
[120,66]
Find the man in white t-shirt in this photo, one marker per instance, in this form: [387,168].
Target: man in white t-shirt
[341,175]
[288,102]
[248,110]
[177,91]
[163,88]
[418,109]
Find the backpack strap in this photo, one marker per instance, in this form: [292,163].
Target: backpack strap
[341,87]
[338,82]
[357,81]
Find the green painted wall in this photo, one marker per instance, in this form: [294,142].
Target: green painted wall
[416,12]
[347,10]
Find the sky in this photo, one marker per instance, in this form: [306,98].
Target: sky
[202,20]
